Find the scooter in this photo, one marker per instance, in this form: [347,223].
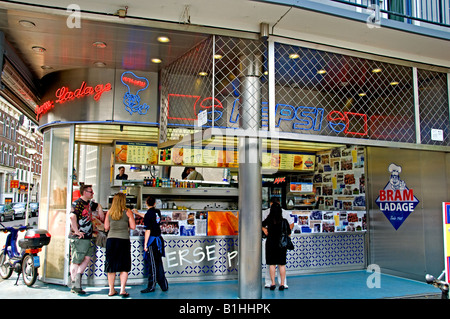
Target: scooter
[25,262]
[438,283]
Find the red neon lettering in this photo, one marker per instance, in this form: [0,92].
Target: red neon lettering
[134,82]
[194,99]
[100,89]
[364,116]
[203,102]
[44,108]
[63,94]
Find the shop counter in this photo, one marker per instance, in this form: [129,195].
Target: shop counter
[198,258]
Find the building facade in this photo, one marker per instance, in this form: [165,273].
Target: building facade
[366,74]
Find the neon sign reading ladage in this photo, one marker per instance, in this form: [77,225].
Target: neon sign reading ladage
[64,94]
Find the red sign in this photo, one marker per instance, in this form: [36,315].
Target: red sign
[63,94]
[14,184]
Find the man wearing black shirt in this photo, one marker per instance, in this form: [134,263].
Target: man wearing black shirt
[80,236]
[122,174]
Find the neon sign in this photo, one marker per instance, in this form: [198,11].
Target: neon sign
[132,101]
[63,95]
[303,118]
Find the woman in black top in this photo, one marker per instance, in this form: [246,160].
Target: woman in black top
[275,255]
[154,248]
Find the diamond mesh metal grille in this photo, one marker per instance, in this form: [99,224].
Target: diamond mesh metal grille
[209,77]
[316,92]
[331,94]
[433,101]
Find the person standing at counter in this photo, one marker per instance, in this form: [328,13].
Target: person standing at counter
[286,214]
[119,219]
[193,175]
[80,236]
[154,248]
[275,255]
[122,174]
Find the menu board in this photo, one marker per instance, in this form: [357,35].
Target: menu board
[288,162]
[197,156]
[136,153]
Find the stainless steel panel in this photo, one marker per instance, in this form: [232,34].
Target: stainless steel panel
[79,109]
[416,247]
[145,98]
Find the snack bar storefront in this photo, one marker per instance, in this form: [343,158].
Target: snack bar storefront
[340,140]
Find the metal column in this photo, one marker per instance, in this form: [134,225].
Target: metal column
[250,187]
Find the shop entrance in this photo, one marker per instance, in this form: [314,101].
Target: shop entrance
[321,185]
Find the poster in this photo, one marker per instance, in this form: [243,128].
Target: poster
[223,223]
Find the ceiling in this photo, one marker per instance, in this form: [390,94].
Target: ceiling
[126,46]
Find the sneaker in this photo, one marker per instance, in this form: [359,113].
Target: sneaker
[146,290]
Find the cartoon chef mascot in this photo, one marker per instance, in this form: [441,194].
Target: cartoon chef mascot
[395,183]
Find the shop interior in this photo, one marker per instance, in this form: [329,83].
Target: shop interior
[322,185]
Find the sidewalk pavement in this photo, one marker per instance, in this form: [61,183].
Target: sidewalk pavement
[343,285]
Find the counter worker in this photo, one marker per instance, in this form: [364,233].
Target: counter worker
[193,174]
[287,215]
[80,236]
[122,174]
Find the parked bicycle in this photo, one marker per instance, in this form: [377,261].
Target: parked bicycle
[26,261]
[438,283]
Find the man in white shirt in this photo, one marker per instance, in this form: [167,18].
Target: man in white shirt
[287,215]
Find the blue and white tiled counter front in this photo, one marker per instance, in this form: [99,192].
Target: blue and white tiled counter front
[197,258]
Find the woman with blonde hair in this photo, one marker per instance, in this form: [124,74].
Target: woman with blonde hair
[118,221]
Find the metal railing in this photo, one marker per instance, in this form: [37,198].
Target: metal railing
[417,12]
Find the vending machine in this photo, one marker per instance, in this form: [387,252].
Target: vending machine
[273,186]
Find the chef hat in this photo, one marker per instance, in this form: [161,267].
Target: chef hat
[395,168]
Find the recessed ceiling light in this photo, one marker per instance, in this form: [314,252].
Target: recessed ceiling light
[217,56]
[202,73]
[294,56]
[393,83]
[376,70]
[321,71]
[100,64]
[99,44]
[46,67]
[163,39]
[27,23]
[38,49]
[156,60]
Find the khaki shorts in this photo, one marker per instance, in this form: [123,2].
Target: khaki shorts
[80,248]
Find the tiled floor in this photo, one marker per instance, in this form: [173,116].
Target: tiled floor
[343,285]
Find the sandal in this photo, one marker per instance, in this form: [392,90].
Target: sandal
[125,295]
[113,294]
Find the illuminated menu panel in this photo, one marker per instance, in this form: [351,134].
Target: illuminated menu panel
[136,153]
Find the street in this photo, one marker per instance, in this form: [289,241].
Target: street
[33,221]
